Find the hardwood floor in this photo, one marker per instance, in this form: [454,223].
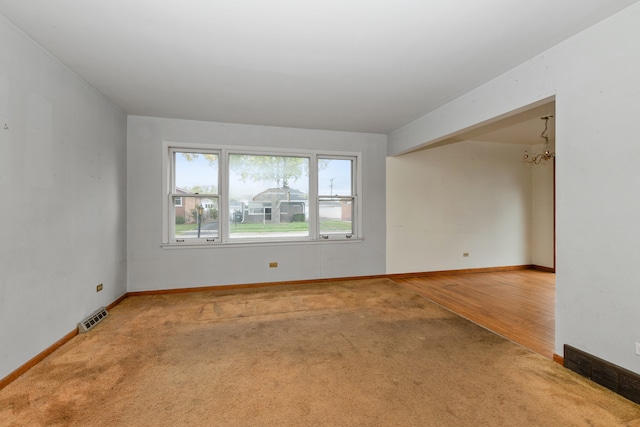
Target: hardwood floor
[519,305]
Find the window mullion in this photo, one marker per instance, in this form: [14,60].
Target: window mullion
[171,212]
[223,191]
[313,197]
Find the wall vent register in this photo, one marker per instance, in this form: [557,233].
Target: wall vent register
[93,319]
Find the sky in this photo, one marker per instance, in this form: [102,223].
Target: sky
[199,172]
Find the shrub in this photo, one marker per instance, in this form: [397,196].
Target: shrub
[298,217]
[180,220]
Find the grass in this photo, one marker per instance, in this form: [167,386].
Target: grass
[180,228]
[290,227]
[271,228]
[329,225]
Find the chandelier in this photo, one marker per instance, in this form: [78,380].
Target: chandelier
[546,154]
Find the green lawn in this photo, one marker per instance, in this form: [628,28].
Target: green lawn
[329,225]
[270,228]
[289,226]
[185,227]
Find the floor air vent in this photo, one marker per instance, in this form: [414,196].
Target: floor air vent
[92,320]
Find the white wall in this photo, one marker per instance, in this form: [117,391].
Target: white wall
[467,197]
[594,76]
[152,267]
[62,180]
[542,224]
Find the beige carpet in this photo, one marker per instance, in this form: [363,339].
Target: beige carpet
[362,353]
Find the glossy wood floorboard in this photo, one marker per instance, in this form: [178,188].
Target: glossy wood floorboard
[519,305]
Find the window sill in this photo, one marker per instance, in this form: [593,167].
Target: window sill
[254,243]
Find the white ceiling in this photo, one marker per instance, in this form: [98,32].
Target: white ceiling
[525,127]
[352,65]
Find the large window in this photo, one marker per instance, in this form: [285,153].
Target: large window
[270,195]
[229,195]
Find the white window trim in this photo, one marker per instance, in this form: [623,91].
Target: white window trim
[223,152]
[356,182]
[170,188]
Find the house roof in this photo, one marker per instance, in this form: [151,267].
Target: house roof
[281,193]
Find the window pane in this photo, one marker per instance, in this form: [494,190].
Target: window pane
[196,218]
[268,196]
[196,172]
[335,215]
[334,177]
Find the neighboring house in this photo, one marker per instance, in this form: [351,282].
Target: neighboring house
[179,203]
[186,206]
[339,210]
[276,205]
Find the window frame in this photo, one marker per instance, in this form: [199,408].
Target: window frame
[355,210]
[227,238]
[171,193]
[223,151]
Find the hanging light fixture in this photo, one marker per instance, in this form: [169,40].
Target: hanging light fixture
[546,154]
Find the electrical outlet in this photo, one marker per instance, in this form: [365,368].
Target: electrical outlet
[638,348]
[273,265]
[465,254]
[99,287]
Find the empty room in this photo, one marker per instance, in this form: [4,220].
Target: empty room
[319,213]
